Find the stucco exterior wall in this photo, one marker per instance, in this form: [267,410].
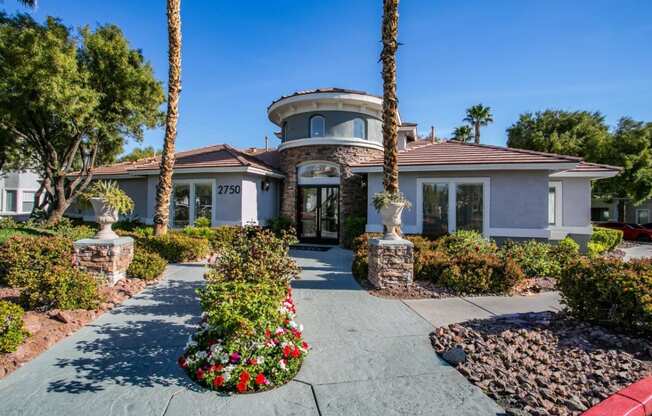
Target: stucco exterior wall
[517,199]
[338,124]
[267,201]
[136,189]
[19,182]
[576,202]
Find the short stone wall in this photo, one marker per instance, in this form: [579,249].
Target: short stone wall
[391,263]
[106,259]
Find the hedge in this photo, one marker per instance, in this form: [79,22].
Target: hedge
[146,264]
[23,258]
[177,247]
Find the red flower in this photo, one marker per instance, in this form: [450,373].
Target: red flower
[244,376]
[252,361]
[296,333]
[182,362]
[295,353]
[216,368]
[305,345]
[200,374]
[261,379]
[287,350]
[268,334]
[218,381]
[241,387]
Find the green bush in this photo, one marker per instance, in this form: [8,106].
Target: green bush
[471,272]
[422,246]
[465,240]
[178,247]
[595,249]
[610,292]
[23,259]
[536,259]
[565,252]
[605,239]
[353,227]
[218,237]
[280,225]
[432,265]
[146,265]
[255,254]
[12,332]
[202,222]
[61,287]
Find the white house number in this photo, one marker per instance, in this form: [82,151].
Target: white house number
[228,189]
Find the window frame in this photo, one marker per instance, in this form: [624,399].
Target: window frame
[559,205]
[647,211]
[310,121]
[325,180]
[23,200]
[452,200]
[192,215]
[16,202]
[364,128]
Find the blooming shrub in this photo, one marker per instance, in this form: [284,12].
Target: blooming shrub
[248,340]
[12,332]
[61,287]
[610,292]
[255,254]
[146,264]
[24,259]
[177,247]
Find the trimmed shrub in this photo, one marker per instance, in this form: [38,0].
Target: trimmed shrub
[422,246]
[536,259]
[595,249]
[146,265]
[12,333]
[218,237]
[465,241]
[565,252]
[61,287]
[202,222]
[472,272]
[353,227]
[177,247]
[607,238]
[24,259]
[280,225]
[610,292]
[432,265]
[255,254]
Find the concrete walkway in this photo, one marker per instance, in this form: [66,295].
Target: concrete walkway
[639,251]
[371,356]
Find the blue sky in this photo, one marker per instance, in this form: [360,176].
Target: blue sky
[513,56]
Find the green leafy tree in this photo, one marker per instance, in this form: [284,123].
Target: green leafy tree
[478,116]
[574,133]
[69,100]
[462,134]
[140,153]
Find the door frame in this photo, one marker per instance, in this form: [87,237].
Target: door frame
[318,239]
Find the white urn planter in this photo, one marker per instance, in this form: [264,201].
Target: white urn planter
[105,216]
[391,215]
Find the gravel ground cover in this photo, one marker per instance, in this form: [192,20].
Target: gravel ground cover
[46,328]
[543,363]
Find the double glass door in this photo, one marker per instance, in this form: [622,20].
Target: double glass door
[319,214]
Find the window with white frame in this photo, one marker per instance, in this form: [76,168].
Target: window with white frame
[554,204]
[445,205]
[191,200]
[28,201]
[11,201]
[317,126]
[359,128]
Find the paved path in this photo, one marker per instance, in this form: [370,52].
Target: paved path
[371,356]
[638,251]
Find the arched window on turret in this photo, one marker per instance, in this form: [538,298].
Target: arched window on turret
[359,128]
[317,126]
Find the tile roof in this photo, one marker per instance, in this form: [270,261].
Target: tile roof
[422,152]
[216,156]
[594,167]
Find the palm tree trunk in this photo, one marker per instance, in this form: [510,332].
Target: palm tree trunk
[477,132]
[390,101]
[164,188]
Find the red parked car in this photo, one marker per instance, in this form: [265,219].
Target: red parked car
[630,231]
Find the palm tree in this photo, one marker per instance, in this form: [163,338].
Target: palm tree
[462,134]
[390,101]
[164,188]
[478,116]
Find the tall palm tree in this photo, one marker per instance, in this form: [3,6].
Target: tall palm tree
[164,188]
[478,115]
[390,101]
[462,134]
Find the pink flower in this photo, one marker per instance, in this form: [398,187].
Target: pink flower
[234,358]
[199,374]
[182,362]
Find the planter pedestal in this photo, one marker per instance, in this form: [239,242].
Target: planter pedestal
[106,259]
[391,263]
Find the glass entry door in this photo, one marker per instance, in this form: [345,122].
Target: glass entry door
[319,214]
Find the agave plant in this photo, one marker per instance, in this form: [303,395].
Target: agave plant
[112,195]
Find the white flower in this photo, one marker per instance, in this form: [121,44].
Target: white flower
[227,372]
[279,330]
[201,355]
[281,364]
[260,359]
[224,358]
[216,349]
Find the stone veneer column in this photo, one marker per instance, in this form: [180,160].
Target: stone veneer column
[391,263]
[353,198]
[106,259]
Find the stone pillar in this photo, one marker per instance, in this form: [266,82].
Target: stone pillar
[391,263]
[106,259]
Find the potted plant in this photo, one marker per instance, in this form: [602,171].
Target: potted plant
[108,202]
[390,205]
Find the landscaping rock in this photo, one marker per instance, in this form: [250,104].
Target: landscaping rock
[543,363]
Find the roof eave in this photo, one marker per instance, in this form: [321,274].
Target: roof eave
[549,166]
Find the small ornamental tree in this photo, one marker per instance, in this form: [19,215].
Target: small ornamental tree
[69,100]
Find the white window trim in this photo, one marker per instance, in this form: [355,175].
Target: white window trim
[19,200]
[191,199]
[559,204]
[452,197]
[641,210]
[322,180]
[313,118]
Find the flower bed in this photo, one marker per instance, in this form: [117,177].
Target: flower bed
[543,363]
[248,339]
